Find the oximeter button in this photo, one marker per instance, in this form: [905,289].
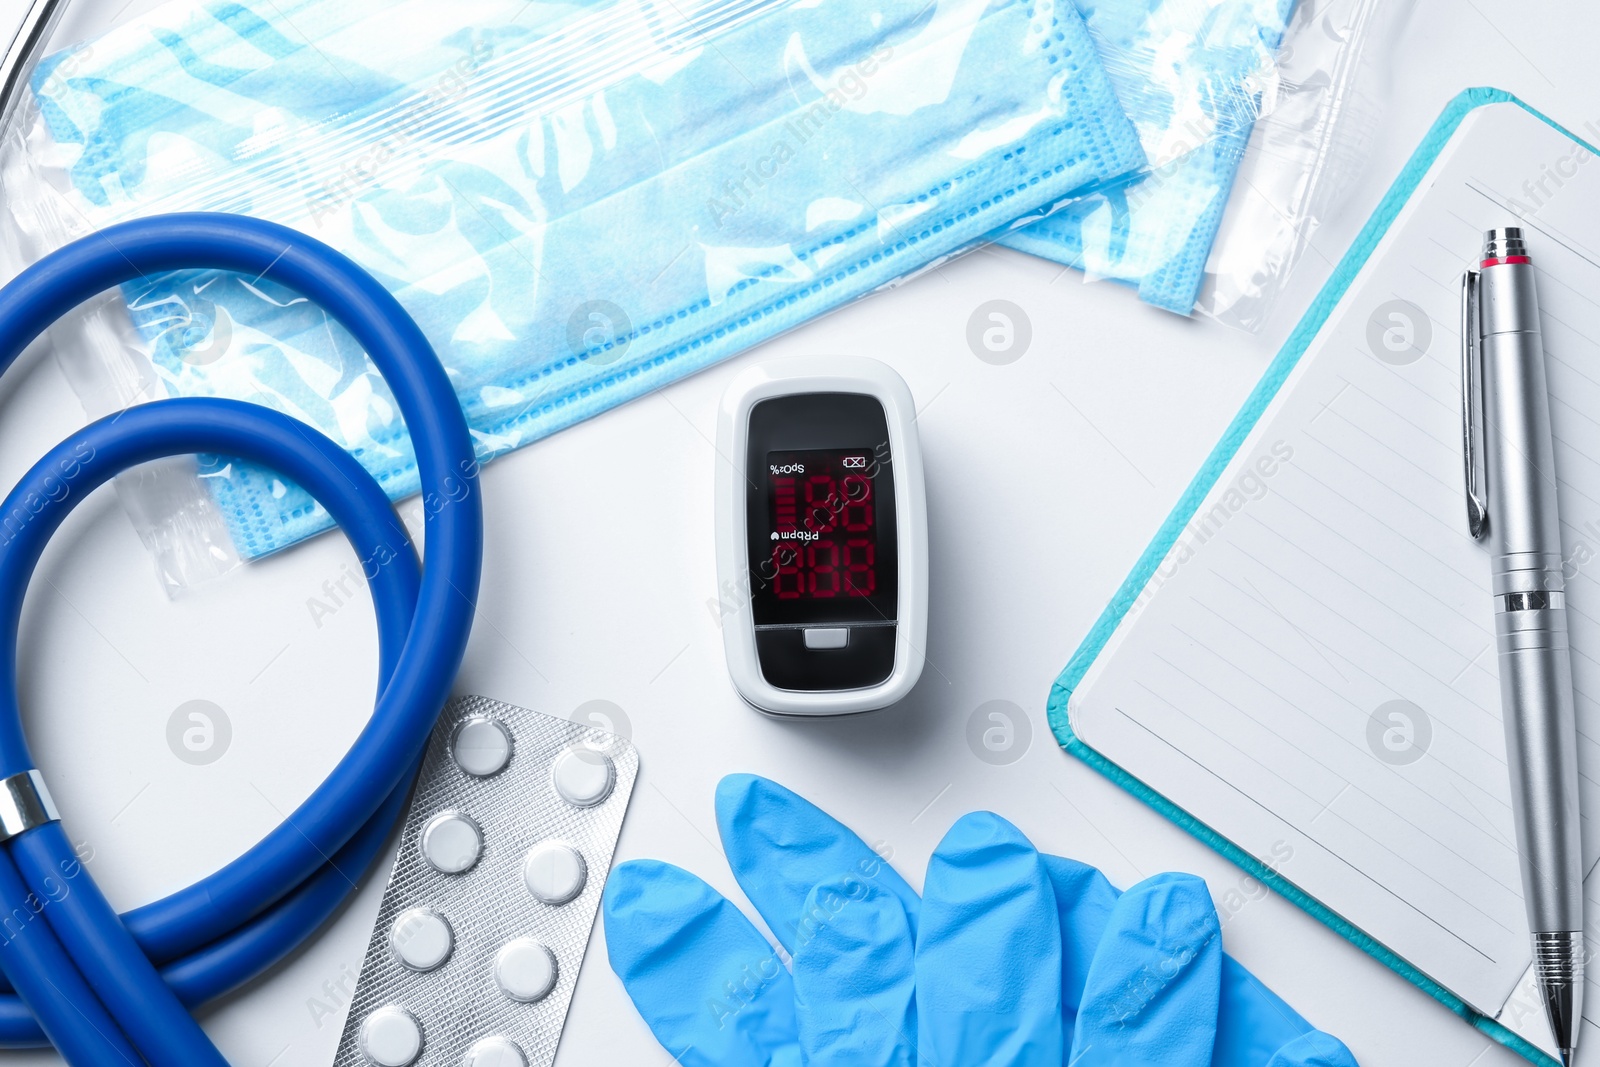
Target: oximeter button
[584,777]
[554,873]
[421,939]
[495,1052]
[482,746]
[837,637]
[391,1037]
[451,843]
[525,970]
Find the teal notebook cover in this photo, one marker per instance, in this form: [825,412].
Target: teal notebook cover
[1310,325]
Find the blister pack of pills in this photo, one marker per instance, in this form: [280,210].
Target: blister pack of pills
[494,892]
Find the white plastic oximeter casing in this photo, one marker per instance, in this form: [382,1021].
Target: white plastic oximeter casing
[822,536]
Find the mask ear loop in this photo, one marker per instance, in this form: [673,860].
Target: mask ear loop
[83,967]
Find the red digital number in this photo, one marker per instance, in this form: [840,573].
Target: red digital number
[786,564]
[860,567]
[822,503]
[857,503]
[822,558]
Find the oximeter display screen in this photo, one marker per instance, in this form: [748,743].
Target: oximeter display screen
[820,512]
[824,548]
[823,524]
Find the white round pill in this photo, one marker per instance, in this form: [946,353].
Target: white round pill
[391,1037]
[583,776]
[421,938]
[554,872]
[495,1052]
[525,970]
[451,842]
[482,746]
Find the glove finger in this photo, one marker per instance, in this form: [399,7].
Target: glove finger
[1253,1022]
[1315,1049]
[854,983]
[1154,984]
[988,951]
[780,846]
[1084,900]
[707,983]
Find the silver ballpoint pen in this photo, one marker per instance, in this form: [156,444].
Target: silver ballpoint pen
[1511,501]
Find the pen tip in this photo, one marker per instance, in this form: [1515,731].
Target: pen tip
[1566,1057]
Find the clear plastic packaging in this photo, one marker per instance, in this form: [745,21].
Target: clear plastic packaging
[1217,224]
[1305,154]
[1192,75]
[578,202]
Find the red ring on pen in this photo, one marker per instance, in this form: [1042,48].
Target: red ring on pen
[1504,259]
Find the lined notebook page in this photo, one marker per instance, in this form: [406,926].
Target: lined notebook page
[1312,671]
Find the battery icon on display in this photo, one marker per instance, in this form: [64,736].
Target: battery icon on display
[855,463]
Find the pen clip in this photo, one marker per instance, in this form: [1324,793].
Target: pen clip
[1472,408]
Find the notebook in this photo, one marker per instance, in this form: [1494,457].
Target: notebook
[1301,668]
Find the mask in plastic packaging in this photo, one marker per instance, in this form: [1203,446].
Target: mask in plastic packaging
[1192,75]
[578,205]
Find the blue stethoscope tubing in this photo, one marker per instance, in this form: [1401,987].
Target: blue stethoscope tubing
[106,989]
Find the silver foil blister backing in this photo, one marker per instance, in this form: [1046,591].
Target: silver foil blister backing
[459,1003]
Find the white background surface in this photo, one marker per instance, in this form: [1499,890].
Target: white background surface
[1046,478]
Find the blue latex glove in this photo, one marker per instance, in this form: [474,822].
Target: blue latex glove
[956,978]
[1253,1023]
[710,986]
[1153,986]
[990,930]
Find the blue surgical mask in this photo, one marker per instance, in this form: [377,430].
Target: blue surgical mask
[579,204]
[1191,75]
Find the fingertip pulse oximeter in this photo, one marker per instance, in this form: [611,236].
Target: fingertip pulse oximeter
[822,542]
